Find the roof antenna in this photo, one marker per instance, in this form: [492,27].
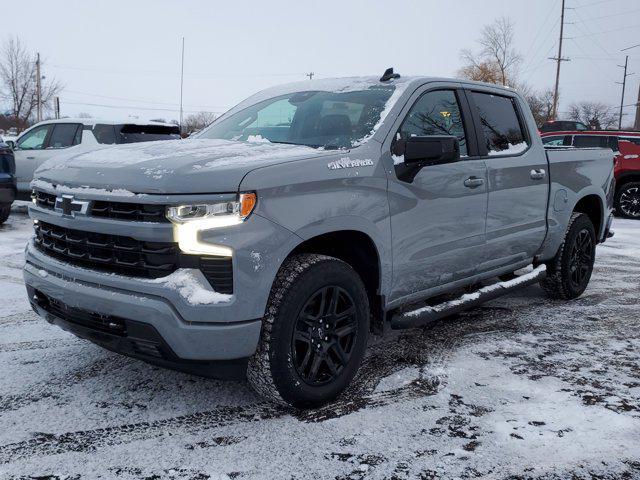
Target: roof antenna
[389,75]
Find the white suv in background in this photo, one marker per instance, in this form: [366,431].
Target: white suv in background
[45,139]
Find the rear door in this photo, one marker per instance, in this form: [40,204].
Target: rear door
[518,180]
[438,215]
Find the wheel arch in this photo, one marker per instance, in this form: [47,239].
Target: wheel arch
[592,206]
[359,250]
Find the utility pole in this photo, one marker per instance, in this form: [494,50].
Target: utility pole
[558,59]
[56,103]
[38,90]
[181,83]
[310,75]
[624,84]
[636,124]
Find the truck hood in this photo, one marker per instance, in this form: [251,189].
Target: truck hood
[170,166]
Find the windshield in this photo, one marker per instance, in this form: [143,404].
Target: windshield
[313,118]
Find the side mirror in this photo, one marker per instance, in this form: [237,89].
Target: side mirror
[431,150]
[11,143]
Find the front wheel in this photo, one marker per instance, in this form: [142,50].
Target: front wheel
[569,272]
[628,200]
[314,332]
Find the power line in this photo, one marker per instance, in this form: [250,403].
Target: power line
[605,31]
[590,19]
[136,100]
[132,107]
[594,3]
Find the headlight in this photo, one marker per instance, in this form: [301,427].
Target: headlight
[189,220]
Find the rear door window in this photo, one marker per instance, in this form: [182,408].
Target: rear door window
[104,134]
[65,135]
[500,124]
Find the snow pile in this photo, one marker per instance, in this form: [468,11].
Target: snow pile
[81,190]
[138,153]
[191,286]
[511,149]
[468,297]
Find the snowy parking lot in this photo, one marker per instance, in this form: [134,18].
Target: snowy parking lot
[522,387]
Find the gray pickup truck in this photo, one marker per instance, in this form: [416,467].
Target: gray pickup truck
[306,218]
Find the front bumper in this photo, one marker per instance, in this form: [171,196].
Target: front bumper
[147,317]
[7,188]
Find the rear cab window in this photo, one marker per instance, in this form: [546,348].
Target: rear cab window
[133,133]
[557,141]
[500,124]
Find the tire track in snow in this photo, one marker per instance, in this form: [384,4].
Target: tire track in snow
[55,388]
[384,358]
[38,345]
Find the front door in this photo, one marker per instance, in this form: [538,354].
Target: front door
[29,153]
[438,216]
[518,176]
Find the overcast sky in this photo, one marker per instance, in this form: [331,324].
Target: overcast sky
[126,54]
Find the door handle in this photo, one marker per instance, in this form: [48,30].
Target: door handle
[31,158]
[538,174]
[473,182]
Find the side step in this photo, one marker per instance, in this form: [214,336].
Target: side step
[425,315]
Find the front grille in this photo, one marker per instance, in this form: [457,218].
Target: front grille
[134,212]
[128,256]
[44,200]
[95,321]
[111,253]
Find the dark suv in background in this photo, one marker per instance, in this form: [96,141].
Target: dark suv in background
[562,125]
[7,181]
[626,146]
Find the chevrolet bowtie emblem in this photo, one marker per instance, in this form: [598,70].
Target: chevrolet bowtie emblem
[70,206]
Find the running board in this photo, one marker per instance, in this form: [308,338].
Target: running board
[425,315]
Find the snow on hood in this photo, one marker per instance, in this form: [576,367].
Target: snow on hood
[169,166]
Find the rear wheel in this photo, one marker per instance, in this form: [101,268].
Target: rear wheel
[568,274]
[5,210]
[314,333]
[628,200]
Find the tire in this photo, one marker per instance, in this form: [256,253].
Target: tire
[569,272]
[282,367]
[5,210]
[627,201]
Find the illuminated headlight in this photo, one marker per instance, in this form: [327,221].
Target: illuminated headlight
[189,220]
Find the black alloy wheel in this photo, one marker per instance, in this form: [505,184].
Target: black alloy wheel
[581,262]
[324,335]
[629,200]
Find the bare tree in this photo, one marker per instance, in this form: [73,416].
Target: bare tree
[541,104]
[197,121]
[18,82]
[596,115]
[497,61]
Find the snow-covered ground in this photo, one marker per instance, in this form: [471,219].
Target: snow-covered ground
[522,387]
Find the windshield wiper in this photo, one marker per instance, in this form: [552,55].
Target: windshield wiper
[326,147]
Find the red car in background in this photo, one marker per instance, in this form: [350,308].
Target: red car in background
[626,146]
